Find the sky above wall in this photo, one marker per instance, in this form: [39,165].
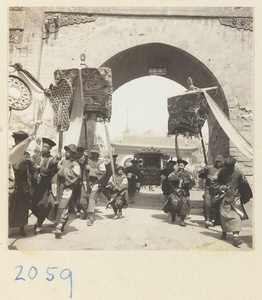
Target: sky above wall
[140,106]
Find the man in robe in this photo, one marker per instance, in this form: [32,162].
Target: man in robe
[133,174]
[178,202]
[96,169]
[48,168]
[107,175]
[118,187]
[68,175]
[206,173]
[233,191]
[20,195]
[166,187]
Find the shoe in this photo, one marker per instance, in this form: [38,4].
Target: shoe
[237,241]
[23,233]
[115,217]
[89,222]
[183,224]
[224,236]
[208,224]
[84,217]
[77,215]
[173,218]
[58,233]
[38,230]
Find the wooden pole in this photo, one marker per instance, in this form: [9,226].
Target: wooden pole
[203,144]
[110,153]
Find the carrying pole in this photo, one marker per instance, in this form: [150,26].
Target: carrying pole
[110,153]
[203,144]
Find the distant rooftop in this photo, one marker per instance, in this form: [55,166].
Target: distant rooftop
[146,140]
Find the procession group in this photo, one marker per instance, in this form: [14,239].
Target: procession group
[47,185]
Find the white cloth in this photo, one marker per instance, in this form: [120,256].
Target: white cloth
[229,129]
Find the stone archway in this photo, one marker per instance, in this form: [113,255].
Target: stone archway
[135,62]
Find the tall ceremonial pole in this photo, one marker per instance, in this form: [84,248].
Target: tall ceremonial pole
[85,118]
[110,152]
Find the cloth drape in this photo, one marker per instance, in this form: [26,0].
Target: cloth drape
[229,129]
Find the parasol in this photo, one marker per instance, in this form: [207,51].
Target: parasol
[188,113]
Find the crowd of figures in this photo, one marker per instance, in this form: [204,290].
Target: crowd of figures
[226,192]
[47,185]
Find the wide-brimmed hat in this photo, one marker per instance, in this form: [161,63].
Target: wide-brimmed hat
[21,135]
[80,149]
[230,161]
[219,158]
[95,149]
[171,162]
[181,161]
[120,167]
[72,148]
[48,141]
[135,161]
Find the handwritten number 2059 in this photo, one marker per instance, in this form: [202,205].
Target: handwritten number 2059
[32,273]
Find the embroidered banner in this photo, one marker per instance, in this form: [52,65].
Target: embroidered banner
[188,112]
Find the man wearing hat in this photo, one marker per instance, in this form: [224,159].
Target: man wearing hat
[233,191]
[181,182]
[206,173]
[76,195]
[96,169]
[166,188]
[118,187]
[133,174]
[48,168]
[19,198]
[68,174]
[107,175]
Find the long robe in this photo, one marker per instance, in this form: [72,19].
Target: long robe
[19,199]
[133,177]
[229,218]
[166,187]
[118,194]
[178,201]
[40,200]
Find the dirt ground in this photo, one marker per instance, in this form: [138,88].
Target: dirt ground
[144,227]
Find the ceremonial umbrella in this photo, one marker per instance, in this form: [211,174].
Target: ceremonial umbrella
[188,113]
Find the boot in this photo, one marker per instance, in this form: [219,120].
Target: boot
[208,223]
[90,219]
[237,241]
[224,236]
[38,230]
[84,217]
[22,231]
[115,217]
[182,219]
[120,214]
[58,233]
[173,217]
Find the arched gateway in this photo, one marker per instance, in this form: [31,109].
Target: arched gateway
[211,45]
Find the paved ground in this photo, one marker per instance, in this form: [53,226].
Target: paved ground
[144,227]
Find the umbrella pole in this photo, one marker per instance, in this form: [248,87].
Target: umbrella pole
[203,144]
[178,152]
[86,159]
[110,152]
